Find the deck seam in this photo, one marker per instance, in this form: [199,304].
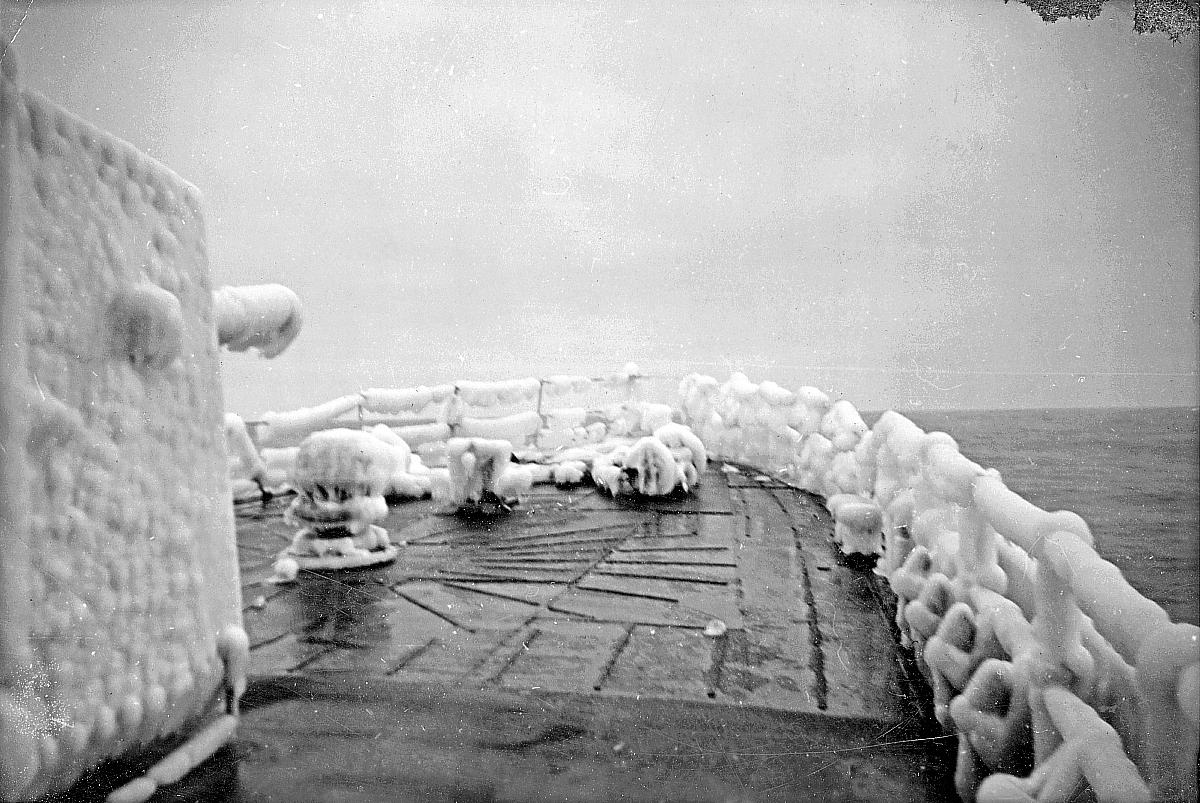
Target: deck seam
[433,610]
[410,656]
[611,663]
[817,658]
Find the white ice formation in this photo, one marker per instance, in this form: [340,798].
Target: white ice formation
[1032,643]
[650,468]
[120,603]
[410,477]
[340,476]
[858,524]
[265,317]
[481,472]
[245,463]
[670,460]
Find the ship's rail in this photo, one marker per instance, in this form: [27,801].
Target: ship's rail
[1054,672]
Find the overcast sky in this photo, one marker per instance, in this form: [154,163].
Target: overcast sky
[937,204]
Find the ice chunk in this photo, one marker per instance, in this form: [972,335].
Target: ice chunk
[844,473]
[405,482]
[813,463]
[843,426]
[513,482]
[654,415]
[865,455]
[570,472]
[541,473]
[640,417]
[410,486]
[775,395]
[808,411]
[399,446]
[285,570]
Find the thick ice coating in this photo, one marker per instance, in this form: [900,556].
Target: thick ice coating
[410,479]
[119,592]
[340,476]
[243,457]
[481,472]
[650,467]
[266,317]
[691,456]
[344,462]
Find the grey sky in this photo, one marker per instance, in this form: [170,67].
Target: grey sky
[909,204]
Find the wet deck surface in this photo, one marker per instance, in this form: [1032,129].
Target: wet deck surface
[559,653]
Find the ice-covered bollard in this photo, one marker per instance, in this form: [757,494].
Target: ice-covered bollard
[608,473]
[340,476]
[857,524]
[691,457]
[650,468]
[482,474]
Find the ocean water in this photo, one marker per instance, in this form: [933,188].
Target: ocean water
[1132,474]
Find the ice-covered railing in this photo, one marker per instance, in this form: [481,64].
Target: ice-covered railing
[1052,669]
[1054,672]
[527,412]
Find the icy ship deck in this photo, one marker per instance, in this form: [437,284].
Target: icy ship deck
[560,653]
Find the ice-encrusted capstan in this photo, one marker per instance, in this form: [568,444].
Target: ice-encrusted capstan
[340,476]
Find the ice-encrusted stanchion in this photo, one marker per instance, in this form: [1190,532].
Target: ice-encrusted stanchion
[246,465]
